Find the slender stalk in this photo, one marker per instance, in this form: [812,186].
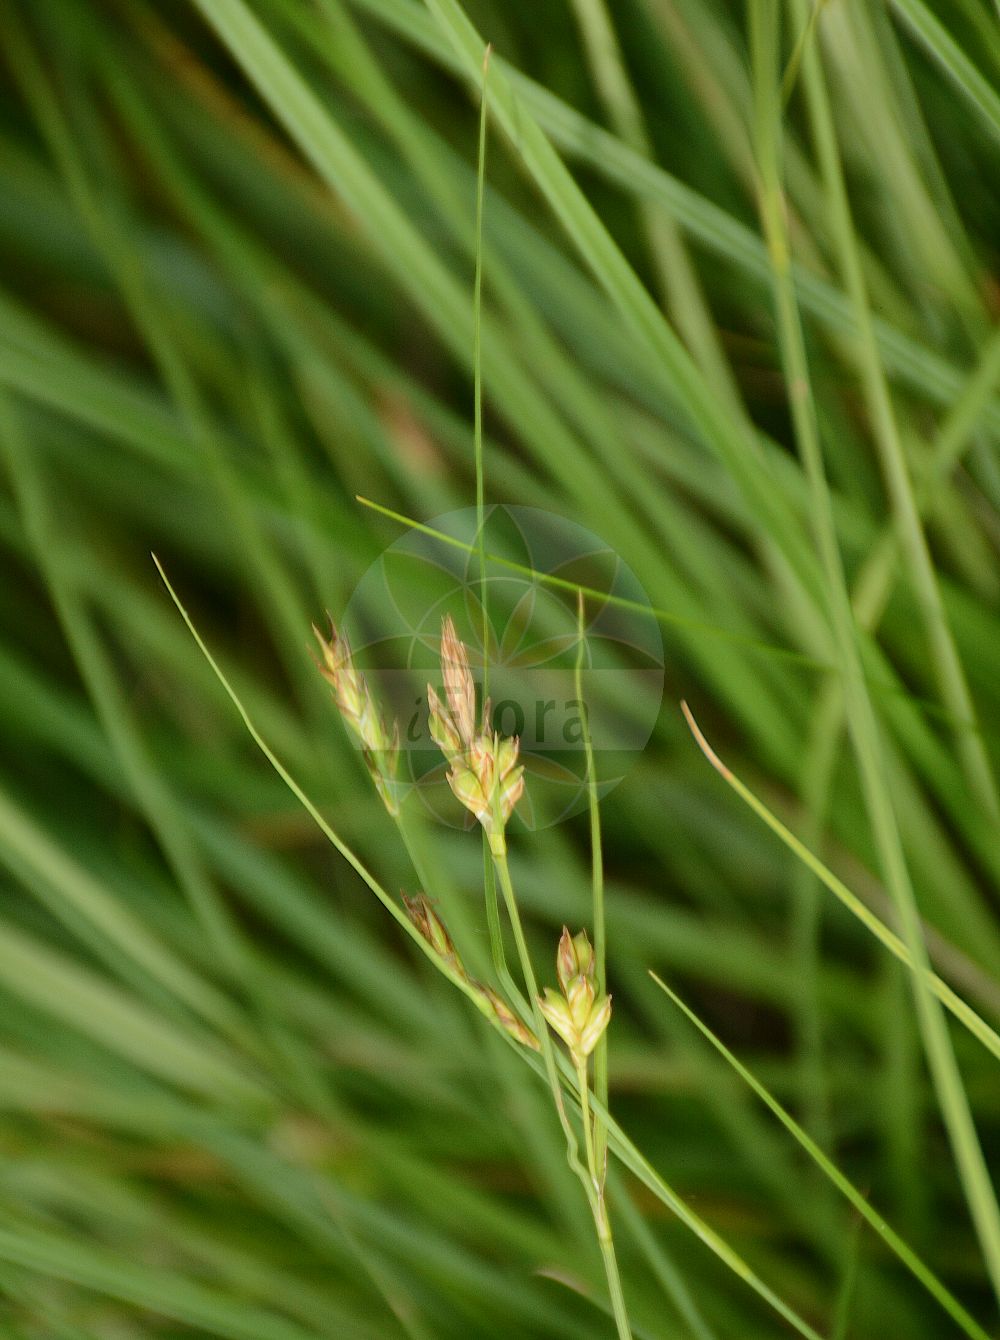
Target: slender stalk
[541,1028]
[583,1086]
[601,1220]
[588,1175]
[477,373]
[497,950]
[489,883]
[623,1147]
[597,883]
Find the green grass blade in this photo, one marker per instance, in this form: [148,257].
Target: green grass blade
[847,1189]
[865,732]
[946,52]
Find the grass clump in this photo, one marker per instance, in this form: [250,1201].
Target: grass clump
[726,297]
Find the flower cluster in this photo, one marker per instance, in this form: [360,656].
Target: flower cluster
[484,773]
[576,1012]
[379,747]
[421,912]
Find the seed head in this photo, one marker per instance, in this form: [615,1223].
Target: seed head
[350,689]
[444,732]
[469,790]
[509,1020]
[458,684]
[576,1013]
[597,1022]
[556,1011]
[421,912]
[379,748]
[484,773]
[574,957]
[424,916]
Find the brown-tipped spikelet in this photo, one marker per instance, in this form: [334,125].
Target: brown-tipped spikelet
[458,684]
[574,957]
[443,730]
[577,1015]
[422,913]
[509,1020]
[484,772]
[379,747]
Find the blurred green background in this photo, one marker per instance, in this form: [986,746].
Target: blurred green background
[236,273]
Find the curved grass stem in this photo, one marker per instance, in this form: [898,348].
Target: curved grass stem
[588,1174]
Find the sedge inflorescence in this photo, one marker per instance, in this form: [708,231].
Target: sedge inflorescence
[428,922]
[577,1012]
[486,777]
[361,715]
[484,773]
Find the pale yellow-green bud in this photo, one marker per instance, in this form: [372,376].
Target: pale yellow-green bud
[556,1012]
[505,751]
[578,1015]
[511,792]
[509,777]
[574,957]
[495,763]
[443,730]
[421,912]
[484,775]
[597,1022]
[580,1000]
[469,791]
[380,750]
[482,761]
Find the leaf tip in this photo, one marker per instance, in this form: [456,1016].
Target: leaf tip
[703,744]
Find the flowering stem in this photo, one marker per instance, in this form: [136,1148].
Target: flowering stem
[599,1206]
[597,882]
[588,1175]
[496,935]
[583,1085]
[477,367]
[507,888]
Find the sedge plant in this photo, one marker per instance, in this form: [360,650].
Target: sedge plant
[487,780]
[734,310]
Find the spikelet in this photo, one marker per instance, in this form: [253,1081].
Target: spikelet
[483,769]
[379,747]
[458,684]
[444,732]
[576,1013]
[574,957]
[509,1020]
[422,913]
